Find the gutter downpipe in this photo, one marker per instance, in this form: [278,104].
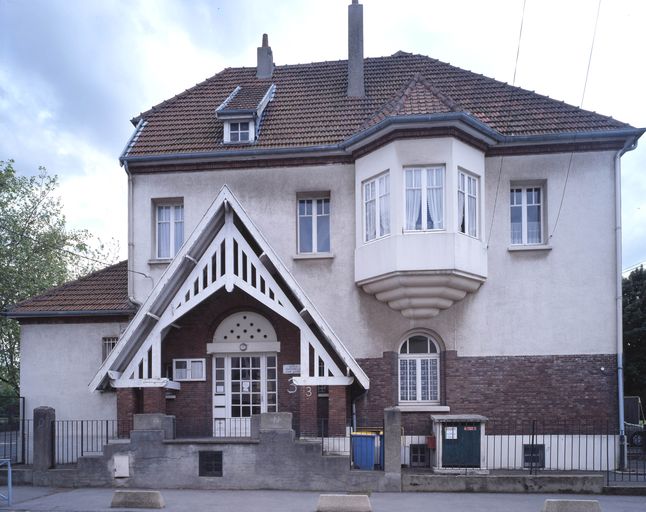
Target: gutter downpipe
[623,452]
[131,241]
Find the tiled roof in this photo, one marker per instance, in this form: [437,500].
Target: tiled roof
[248,97]
[105,290]
[310,106]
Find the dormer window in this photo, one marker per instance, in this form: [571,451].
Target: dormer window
[242,112]
[239,132]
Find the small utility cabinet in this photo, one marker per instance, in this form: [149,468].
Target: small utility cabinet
[460,443]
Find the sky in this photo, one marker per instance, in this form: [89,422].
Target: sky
[74,72]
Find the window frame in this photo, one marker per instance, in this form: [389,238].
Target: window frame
[418,358]
[424,170]
[189,376]
[524,187]
[465,189]
[172,247]
[314,198]
[379,205]
[107,346]
[239,131]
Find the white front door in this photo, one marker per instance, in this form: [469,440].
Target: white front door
[242,385]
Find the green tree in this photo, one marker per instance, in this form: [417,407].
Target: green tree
[634,320]
[37,252]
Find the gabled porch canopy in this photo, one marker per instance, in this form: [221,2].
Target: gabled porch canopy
[226,250]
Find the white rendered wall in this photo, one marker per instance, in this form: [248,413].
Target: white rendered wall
[533,303]
[57,361]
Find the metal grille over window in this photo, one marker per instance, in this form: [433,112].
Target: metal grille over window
[210,463]
[109,342]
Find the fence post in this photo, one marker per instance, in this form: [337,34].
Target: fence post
[44,424]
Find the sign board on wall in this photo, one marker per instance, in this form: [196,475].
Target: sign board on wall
[291,369]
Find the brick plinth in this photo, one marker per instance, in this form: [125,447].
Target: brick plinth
[337,410]
[127,406]
[154,400]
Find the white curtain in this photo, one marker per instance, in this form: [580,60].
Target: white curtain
[370,220]
[472,216]
[435,198]
[163,231]
[384,214]
[460,210]
[413,208]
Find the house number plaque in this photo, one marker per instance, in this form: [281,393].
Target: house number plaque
[291,369]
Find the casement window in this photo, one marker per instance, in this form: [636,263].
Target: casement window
[239,132]
[314,225]
[108,344]
[169,229]
[468,204]
[376,207]
[189,369]
[419,371]
[526,211]
[424,198]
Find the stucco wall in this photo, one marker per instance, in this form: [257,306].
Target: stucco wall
[57,363]
[533,303]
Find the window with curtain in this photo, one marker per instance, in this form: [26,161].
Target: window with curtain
[424,198]
[419,370]
[170,229]
[468,204]
[314,225]
[526,210]
[376,207]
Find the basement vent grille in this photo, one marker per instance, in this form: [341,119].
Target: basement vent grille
[534,456]
[210,464]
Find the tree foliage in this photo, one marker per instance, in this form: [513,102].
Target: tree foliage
[37,252]
[634,322]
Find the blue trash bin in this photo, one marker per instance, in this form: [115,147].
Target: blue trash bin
[363,451]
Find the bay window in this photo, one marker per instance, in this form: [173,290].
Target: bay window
[424,198]
[376,207]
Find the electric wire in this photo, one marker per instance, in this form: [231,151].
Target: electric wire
[585,85]
[502,157]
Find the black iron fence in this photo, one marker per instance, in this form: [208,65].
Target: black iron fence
[16,441]
[529,446]
[75,438]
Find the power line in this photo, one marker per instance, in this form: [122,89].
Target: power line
[585,85]
[502,157]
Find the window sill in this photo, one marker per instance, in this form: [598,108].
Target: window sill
[423,408]
[314,256]
[159,261]
[522,248]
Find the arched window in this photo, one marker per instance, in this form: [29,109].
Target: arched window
[419,370]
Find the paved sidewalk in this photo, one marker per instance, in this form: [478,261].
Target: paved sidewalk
[94,500]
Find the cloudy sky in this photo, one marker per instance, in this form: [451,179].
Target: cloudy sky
[73,72]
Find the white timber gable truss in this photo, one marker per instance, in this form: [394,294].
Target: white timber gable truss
[218,256]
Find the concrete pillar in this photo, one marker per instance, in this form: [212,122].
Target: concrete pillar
[44,456]
[307,410]
[154,401]
[392,440]
[337,410]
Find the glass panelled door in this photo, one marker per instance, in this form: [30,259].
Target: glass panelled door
[242,385]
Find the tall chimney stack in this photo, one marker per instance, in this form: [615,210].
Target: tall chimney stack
[356,87]
[265,66]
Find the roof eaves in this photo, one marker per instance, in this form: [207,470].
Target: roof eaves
[67,314]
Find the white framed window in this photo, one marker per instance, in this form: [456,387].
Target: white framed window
[239,132]
[108,344]
[526,215]
[419,370]
[189,369]
[468,204]
[376,207]
[169,229]
[424,188]
[314,225]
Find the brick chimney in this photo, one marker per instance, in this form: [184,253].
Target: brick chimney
[265,66]
[355,50]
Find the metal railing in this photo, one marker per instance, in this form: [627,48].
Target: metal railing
[76,438]
[16,441]
[533,446]
[196,428]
